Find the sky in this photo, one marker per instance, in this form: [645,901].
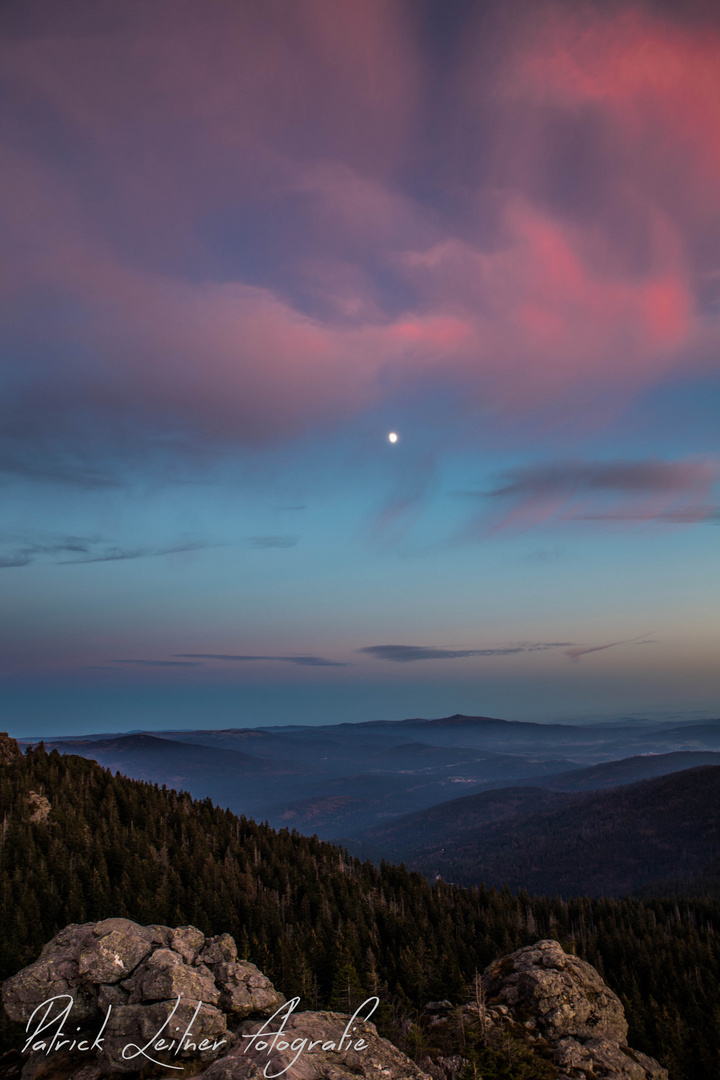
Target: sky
[243,244]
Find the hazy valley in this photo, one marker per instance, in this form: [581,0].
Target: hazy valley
[470,799]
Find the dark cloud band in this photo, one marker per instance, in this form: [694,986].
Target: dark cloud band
[301,661]
[407,654]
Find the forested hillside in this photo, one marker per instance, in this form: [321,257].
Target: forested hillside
[79,844]
[596,843]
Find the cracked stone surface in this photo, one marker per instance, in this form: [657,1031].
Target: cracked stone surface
[153,985]
[564,1002]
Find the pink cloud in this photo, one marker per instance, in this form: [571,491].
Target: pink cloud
[170,118]
[541,318]
[657,78]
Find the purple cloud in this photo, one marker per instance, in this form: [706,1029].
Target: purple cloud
[301,661]
[407,654]
[650,490]
[576,653]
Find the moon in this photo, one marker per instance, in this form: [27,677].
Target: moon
[393,437]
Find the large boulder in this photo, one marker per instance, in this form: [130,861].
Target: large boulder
[567,1011]
[143,992]
[54,973]
[142,999]
[565,996]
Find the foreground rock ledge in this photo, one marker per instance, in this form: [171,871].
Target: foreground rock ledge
[564,1005]
[559,1004]
[147,977]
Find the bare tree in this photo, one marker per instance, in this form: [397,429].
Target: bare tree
[481,1005]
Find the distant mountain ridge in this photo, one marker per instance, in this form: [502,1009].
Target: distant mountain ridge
[229,776]
[339,780]
[625,771]
[610,842]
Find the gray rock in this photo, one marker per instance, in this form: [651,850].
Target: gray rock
[159,935]
[114,953]
[42,1069]
[188,941]
[164,1032]
[244,990]
[112,995]
[219,950]
[164,975]
[249,1058]
[122,926]
[599,1057]
[69,943]
[137,978]
[55,972]
[564,1002]
[10,751]
[565,995]
[446,1068]
[39,808]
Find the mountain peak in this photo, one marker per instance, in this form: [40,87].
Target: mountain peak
[458,719]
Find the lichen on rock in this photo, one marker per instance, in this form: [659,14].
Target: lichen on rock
[563,1003]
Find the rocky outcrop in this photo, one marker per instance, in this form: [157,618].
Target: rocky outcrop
[39,806]
[566,1010]
[141,1000]
[125,987]
[10,752]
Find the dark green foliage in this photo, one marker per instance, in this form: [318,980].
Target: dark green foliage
[320,924]
[507,1057]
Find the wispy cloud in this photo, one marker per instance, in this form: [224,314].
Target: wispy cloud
[576,652]
[302,661]
[159,663]
[705,514]
[116,554]
[407,654]
[41,464]
[77,550]
[7,561]
[273,541]
[633,477]
[21,551]
[651,490]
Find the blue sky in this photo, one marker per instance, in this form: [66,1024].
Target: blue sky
[244,248]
